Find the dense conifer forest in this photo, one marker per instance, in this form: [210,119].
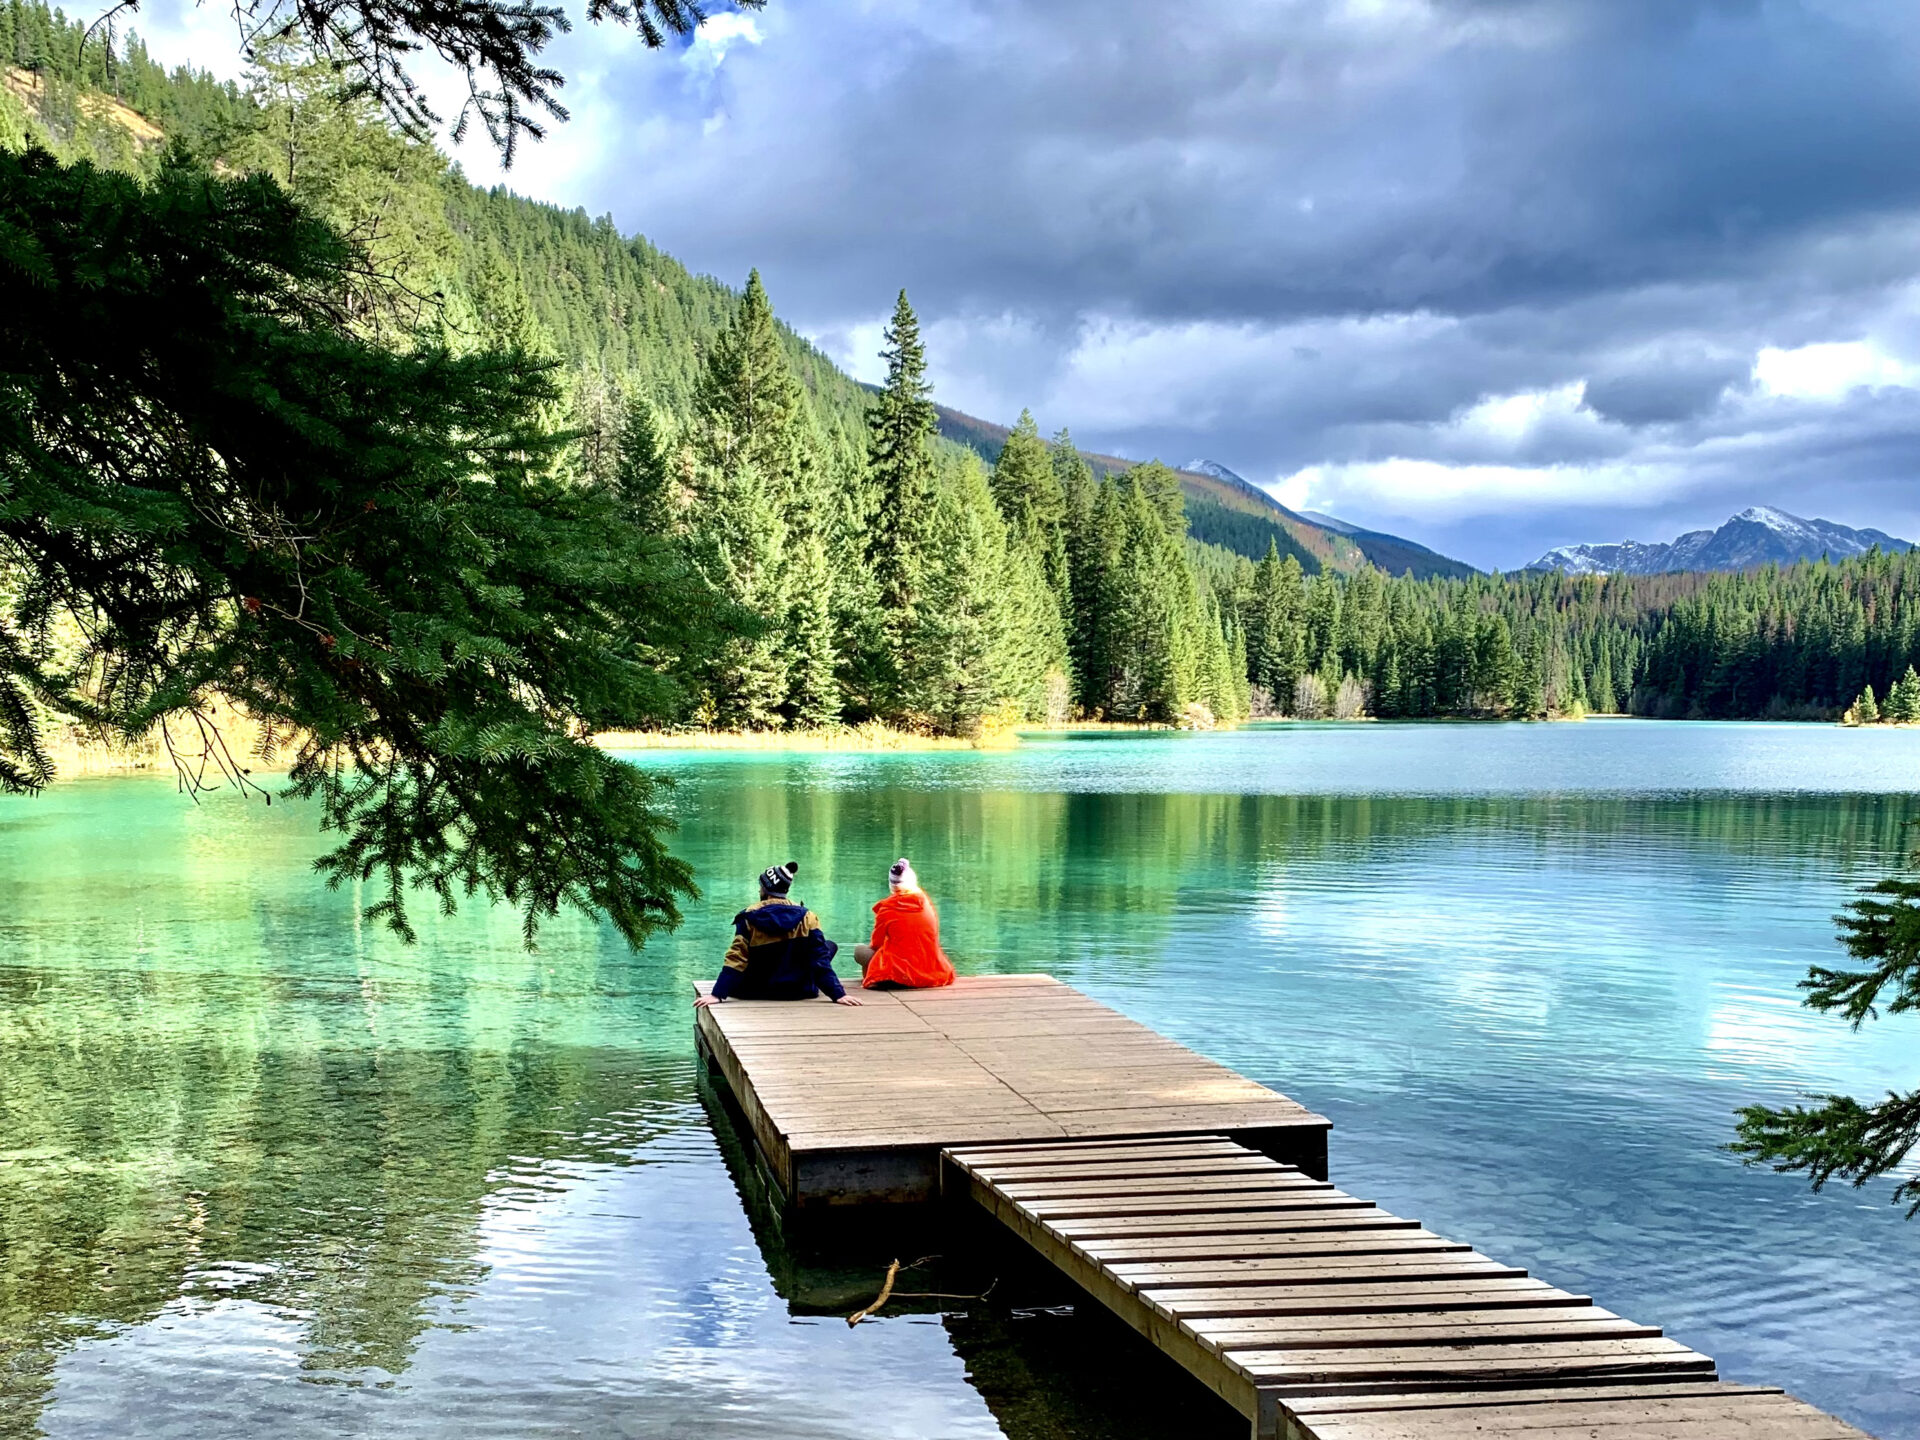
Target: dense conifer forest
[895,576]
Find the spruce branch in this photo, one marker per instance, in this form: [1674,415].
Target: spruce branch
[1837,1136]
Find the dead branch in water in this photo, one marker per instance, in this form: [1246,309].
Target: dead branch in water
[887,1292]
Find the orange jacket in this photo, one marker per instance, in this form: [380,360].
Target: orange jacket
[906,943]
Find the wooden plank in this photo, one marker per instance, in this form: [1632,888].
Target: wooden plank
[1299,1200]
[1447,1327]
[1403,1268]
[1243,1164]
[1094,1156]
[1368,1298]
[1181,1229]
[1412,1365]
[1313,1407]
[1391,1242]
[1675,1411]
[1250,1183]
[1591,1422]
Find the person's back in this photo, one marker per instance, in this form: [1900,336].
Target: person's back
[779,951]
[905,950]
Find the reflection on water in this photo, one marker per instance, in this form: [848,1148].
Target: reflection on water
[262,1169]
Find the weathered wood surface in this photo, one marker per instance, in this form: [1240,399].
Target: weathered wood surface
[1711,1411]
[853,1105]
[1322,1317]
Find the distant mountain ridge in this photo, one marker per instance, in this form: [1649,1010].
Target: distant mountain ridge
[1226,512]
[1758,535]
[1232,512]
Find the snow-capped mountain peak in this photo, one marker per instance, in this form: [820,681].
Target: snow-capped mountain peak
[1215,469]
[1758,535]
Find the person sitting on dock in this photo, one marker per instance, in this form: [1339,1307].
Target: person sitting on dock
[905,952]
[779,951]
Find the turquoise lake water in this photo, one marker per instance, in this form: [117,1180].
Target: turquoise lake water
[265,1171]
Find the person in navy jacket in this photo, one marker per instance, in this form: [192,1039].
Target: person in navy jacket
[779,951]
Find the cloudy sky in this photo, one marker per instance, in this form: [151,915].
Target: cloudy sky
[1492,274]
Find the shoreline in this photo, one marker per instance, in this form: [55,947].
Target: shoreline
[78,757]
[872,738]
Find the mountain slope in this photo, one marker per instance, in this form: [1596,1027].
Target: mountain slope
[1758,535]
[1229,513]
[1225,510]
[1390,553]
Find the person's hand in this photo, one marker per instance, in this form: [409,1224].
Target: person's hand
[846,1000]
[703,1002]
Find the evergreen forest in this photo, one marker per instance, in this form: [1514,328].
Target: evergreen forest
[883,573]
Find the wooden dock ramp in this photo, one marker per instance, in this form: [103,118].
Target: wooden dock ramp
[852,1106]
[1322,1317]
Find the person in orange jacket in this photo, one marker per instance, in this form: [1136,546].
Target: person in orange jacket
[905,951]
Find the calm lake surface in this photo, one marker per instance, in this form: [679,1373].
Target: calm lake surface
[264,1171]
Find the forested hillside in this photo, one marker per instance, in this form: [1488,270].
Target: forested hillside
[991,578]
[1798,643]
[892,576]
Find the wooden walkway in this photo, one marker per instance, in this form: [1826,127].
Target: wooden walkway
[1322,1317]
[853,1106]
[1194,1204]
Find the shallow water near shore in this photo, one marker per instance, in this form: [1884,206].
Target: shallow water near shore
[263,1170]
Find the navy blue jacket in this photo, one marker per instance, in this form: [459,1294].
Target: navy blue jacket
[779,952]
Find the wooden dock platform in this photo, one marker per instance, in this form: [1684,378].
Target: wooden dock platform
[1195,1205]
[852,1106]
[1320,1316]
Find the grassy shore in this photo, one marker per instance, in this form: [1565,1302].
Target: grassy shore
[872,737]
[76,754]
[848,738]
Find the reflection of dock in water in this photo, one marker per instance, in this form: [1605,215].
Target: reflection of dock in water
[1193,1204]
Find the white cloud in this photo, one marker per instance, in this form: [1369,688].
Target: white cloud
[1511,420]
[203,37]
[718,35]
[1832,370]
[1433,489]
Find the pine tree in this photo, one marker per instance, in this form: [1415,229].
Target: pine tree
[748,439]
[813,697]
[1903,701]
[1865,710]
[1030,496]
[645,475]
[1497,680]
[1526,693]
[1158,657]
[438,654]
[1163,490]
[900,428]
[1265,621]
[1237,671]
[1321,621]
[1287,656]
[952,678]
[1096,540]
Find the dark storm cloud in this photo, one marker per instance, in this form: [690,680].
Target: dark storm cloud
[1539,244]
